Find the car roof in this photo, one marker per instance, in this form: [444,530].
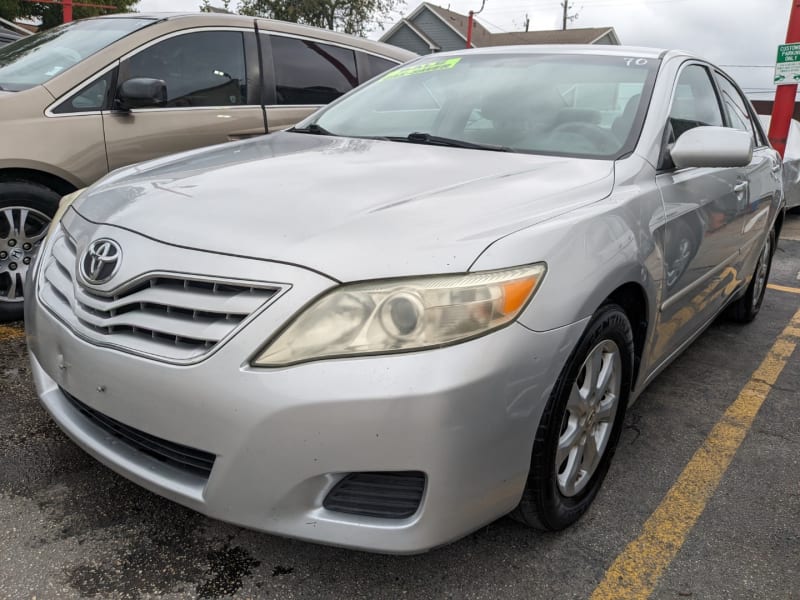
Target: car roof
[594,49]
[202,19]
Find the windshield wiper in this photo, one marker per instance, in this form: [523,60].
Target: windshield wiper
[312,128]
[435,140]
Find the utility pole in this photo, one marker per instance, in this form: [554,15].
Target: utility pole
[785,95]
[566,17]
[527,22]
[470,21]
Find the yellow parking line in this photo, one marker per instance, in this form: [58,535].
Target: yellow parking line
[636,571]
[10,333]
[783,288]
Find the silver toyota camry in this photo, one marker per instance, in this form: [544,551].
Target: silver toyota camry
[425,307]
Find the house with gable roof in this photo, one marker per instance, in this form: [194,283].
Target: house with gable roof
[430,28]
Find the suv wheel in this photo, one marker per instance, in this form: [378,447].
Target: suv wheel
[25,212]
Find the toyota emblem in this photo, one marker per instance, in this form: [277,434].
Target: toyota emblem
[101,261]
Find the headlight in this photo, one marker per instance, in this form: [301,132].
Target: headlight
[404,314]
[63,206]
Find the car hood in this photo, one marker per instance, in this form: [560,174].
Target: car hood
[350,208]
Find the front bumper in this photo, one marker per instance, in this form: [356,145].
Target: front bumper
[464,415]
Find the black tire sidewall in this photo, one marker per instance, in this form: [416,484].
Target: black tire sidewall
[32,195]
[756,307]
[554,510]
[744,310]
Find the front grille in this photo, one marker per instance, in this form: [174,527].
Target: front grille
[386,495]
[191,460]
[168,316]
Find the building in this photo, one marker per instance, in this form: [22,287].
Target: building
[430,28]
[11,32]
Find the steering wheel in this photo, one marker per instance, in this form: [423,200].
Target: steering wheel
[603,140]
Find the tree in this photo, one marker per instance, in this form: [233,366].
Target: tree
[206,6]
[51,15]
[356,17]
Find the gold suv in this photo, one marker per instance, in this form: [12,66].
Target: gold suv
[83,99]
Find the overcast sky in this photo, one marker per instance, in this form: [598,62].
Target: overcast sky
[726,32]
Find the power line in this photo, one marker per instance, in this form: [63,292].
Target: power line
[488,22]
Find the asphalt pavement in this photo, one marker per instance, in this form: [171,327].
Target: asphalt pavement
[71,528]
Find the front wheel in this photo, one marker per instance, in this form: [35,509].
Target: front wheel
[581,424]
[26,210]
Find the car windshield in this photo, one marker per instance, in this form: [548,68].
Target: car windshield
[34,60]
[560,104]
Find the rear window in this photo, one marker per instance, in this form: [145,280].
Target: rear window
[37,59]
[308,72]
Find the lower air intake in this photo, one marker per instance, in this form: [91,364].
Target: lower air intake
[387,495]
[191,460]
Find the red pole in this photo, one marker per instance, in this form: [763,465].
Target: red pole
[67,9]
[785,95]
[469,28]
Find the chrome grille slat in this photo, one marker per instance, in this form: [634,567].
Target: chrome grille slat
[176,296]
[56,278]
[171,316]
[64,254]
[212,331]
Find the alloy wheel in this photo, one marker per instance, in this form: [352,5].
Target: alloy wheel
[589,418]
[22,230]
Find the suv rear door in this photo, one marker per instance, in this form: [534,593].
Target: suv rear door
[302,75]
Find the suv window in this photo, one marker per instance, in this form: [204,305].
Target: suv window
[308,72]
[735,107]
[93,97]
[377,65]
[695,103]
[205,68]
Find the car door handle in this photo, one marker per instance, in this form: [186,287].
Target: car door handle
[776,167]
[740,187]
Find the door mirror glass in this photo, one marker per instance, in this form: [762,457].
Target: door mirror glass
[712,147]
[141,92]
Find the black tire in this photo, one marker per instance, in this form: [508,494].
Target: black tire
[746,308]
[43,203]
[543,504]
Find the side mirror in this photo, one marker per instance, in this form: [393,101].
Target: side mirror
[712,147]
[141,92]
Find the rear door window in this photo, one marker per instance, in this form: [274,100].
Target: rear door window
[308,72]
[201,69]
[377,65]
[736,108]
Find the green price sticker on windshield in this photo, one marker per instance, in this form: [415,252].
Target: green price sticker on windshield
[439,65]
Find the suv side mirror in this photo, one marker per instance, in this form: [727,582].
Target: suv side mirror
[712,147]
[141,92]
